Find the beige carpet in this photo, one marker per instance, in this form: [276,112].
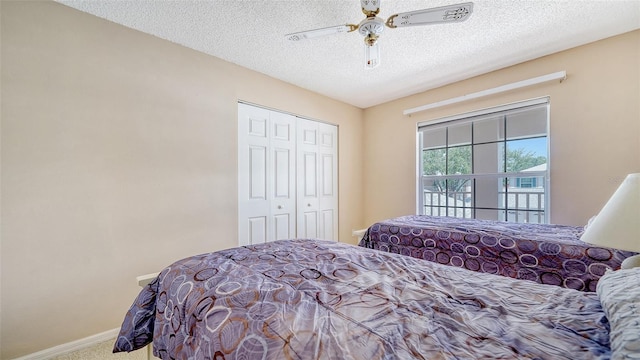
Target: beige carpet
[103,351]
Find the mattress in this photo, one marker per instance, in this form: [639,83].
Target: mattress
[544,253]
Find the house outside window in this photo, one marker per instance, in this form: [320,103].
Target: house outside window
[489,164]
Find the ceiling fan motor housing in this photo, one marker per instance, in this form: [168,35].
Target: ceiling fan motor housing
[371,28]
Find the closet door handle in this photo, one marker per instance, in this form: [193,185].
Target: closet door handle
[279,206]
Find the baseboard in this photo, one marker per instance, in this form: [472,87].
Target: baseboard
[71,346]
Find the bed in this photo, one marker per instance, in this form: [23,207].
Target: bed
[316,299]
[547,254]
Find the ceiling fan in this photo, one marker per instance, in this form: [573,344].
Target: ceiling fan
[372,26]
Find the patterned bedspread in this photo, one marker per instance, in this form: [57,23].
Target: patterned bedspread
[310,299]
[547,254]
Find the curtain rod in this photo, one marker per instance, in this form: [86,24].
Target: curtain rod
[560,75]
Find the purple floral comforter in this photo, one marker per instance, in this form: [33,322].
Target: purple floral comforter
[310,299]
[547,254]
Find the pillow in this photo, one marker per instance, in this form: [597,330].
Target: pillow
[619,294]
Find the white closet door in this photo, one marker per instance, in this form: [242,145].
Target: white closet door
[328,187]
[283,166]
[317,180]
[308,179]
[266,175]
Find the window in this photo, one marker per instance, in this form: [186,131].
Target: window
[490,164]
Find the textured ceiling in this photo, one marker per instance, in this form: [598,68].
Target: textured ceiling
[250,33]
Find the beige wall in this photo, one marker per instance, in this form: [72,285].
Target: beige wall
[594,129]
[119,157]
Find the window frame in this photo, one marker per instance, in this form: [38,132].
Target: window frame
[470,117]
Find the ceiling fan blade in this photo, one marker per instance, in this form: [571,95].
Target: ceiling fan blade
[370,7]
[310,34]
[439,15]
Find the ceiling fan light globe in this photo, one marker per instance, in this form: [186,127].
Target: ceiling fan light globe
[371,56]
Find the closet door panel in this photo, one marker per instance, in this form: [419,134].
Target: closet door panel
[282,167]
[309,228]
[328,229]
[282,227]
[309,174]
[307,178]
[253,175]
[257,227]
[327,174]
[257,173]
[328,196]
[266,175]
[283,173]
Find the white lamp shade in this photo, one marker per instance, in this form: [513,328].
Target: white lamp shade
[618,223]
